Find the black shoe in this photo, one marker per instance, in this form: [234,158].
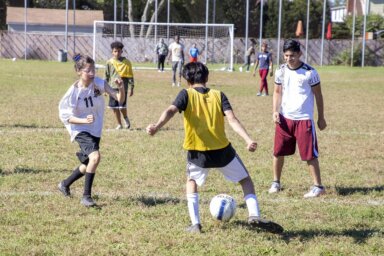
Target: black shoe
[267,225]
[87,201]
[64,190]
[194,228]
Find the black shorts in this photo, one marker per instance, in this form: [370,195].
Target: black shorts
[114,103]
[88,144]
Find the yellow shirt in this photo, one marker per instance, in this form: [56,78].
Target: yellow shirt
[123,68]
[204,121]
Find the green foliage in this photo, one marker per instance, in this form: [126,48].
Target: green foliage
[375,22]
[344,58]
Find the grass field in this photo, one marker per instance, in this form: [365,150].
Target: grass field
[140,180]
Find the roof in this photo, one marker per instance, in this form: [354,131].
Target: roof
[39,16]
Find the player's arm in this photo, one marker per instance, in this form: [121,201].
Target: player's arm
[120,94]
[256,64]
[321,123]
[164,118]
[239,129]
[277,95]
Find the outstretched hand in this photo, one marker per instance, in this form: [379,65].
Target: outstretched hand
[151,129]
[252,146]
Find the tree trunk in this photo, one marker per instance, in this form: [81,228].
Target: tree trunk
[144,17]
[130,18]
[159,8]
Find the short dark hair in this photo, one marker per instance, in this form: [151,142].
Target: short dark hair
[291,45]
[117,45]
[81,61]
[195,73]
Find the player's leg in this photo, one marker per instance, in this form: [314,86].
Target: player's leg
[195,177]
[307,144]
[124,107]
[180,70]
[235,171]
[116,113]
[263,77]
[174,69]
[64,186]
[94,160]
[284,145]
[114,105]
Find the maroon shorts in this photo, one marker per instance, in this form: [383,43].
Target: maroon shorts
[288,132]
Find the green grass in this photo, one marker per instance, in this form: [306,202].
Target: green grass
[140,181]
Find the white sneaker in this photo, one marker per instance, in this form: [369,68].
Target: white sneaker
[241,69]
[118,127]
[178,84]
[258,94]
[275,187]
[315,192]
[173,84]
[159,70]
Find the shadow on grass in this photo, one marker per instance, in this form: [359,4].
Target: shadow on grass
[29,170]
[156,200]
[345,191]
[32,126]
[359,235]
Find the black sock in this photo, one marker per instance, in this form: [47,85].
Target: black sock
[76,174]
[88,183]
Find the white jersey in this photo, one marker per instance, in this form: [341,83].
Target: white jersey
[298,99]
[177,51]
[81,102]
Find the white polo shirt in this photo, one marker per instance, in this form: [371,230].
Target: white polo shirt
[297,96]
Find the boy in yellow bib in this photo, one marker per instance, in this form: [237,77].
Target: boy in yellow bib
[119,68]
[207,145]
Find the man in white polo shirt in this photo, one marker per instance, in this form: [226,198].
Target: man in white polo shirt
[297,85]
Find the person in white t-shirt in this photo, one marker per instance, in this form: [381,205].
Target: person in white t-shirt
[176,52]
[82,111]
[297,85]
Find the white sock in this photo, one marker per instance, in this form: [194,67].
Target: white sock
[252,205]
[193,208]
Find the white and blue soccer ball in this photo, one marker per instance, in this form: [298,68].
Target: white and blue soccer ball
[222,207]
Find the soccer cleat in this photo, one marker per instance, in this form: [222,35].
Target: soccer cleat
[255,221]
[315,192]
[87,201]
[159,70]
[241,69]
[118,127]
[258,94]
[275,187]
[173,84]
[178,84]
[127,123]
[64,190]
[194,228]
[264,94]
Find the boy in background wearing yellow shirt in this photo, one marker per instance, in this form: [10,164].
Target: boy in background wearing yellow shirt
[119,68]
[207,144]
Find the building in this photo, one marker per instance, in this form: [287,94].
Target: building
[51,20]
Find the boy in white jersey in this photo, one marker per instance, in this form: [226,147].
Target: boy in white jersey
[82,111]
[207,145]
[176,52]
[296,86]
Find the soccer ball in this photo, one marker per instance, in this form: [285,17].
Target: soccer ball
[222,207]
